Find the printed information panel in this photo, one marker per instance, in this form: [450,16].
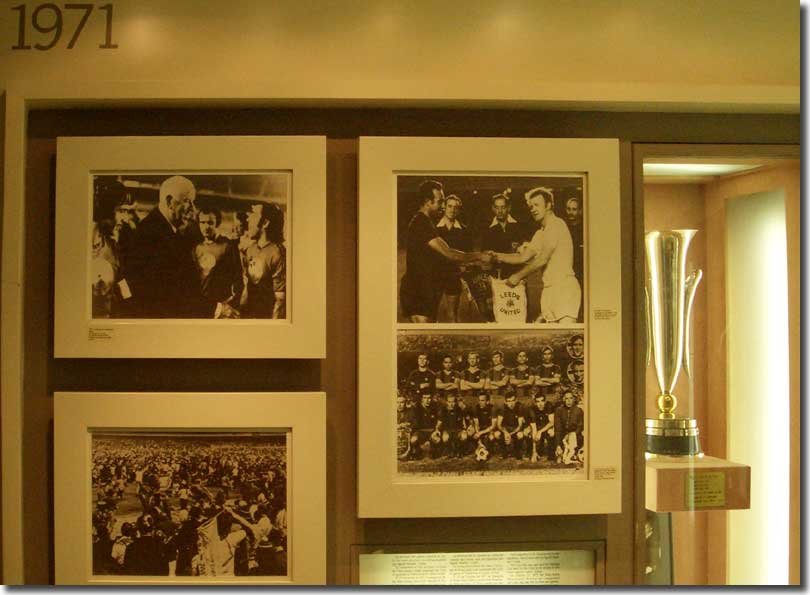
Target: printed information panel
[563,567]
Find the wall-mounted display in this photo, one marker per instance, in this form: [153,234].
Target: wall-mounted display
[149,491]
[489,333]
[190,247]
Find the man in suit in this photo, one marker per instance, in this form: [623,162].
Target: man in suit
[504,234]
[457,236]
[573,217]
[161,279]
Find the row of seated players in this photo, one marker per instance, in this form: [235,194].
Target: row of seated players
[496,379]
[533,430]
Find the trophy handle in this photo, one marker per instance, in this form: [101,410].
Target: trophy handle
[690,288]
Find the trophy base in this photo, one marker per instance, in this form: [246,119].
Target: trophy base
[676,437]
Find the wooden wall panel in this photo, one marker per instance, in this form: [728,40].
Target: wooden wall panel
[339,374]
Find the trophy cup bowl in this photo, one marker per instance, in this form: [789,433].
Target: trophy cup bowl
[670,293]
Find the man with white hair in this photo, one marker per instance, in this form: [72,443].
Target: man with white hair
[552,250]
[160,279]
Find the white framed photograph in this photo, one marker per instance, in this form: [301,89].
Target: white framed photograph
[490,214]
[160,488]
[190,247]
[489,327]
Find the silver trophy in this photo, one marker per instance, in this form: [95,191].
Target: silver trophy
[670,294]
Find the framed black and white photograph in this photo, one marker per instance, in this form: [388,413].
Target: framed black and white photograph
[499,249]
[232,226]
[189,504]
[482,404]
[489,327]
[190,247]
[151,492]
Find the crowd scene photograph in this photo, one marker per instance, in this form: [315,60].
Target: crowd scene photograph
[481,248]
[189,504]
[190,246]
[491,403]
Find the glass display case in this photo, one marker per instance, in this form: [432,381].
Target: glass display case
[720,357]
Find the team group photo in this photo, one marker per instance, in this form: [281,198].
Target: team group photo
[189,505]
[186,246]
[491,403]
[484,248]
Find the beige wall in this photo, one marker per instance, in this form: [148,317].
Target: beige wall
[724,55]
